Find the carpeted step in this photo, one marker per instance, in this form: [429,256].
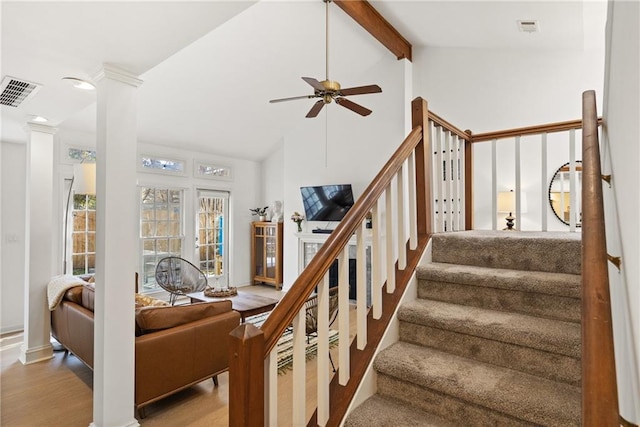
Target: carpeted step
[544,294]
[378,411]
[471,392]
[515,250]
[541,347]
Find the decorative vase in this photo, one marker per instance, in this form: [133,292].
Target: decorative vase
[262,218]
[299,223]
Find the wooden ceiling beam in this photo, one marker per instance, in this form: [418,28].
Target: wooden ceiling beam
[370,19]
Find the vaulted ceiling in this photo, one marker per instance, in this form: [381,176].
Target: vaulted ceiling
[210,67]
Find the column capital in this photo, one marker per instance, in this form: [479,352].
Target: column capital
[112,72]
[36,127]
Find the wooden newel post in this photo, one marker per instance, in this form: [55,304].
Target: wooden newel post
[420,117]
[246,376]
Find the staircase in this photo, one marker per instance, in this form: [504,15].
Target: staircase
[493,338]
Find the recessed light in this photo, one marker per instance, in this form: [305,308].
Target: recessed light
[79,83]
[39,119]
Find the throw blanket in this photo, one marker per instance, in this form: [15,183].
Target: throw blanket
[58,286]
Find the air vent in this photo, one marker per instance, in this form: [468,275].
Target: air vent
[14,92]
[528,26]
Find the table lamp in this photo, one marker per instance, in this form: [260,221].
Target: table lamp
[507,204]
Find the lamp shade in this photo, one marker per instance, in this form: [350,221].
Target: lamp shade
[506,201]
[84,178]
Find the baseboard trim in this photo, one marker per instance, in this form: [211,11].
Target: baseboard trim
[36,354]
[133,423]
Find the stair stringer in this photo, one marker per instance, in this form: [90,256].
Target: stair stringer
[369,384]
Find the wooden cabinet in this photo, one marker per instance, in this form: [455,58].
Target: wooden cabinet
[266,253]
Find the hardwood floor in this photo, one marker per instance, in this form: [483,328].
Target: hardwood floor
[58,392]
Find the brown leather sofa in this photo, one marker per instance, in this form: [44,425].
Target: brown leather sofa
[175,346]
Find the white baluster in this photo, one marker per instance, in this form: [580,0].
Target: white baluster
[463,179]
[518,186]
[299,369]
[543,182]
[448,202]
[572,180]
[323,351]
[494,186]
[271,385]
[455,184]
[376,262]
[401,234]
[343,316]
[439,180]
[390,256]
[361,284]
[413,222]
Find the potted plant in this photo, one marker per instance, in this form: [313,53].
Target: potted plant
[261,213]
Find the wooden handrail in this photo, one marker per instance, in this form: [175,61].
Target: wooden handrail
[247,405]
[439,121]
[529,130]
[282,316]
[599,389]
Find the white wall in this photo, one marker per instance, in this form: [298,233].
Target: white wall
[621,157]
[273,178]
[493,89]
[13,185]
[341,147]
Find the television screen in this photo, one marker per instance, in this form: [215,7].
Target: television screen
[326,202]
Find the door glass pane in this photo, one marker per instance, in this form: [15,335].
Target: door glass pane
[212,234]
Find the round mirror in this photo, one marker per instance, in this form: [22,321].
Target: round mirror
[560,194]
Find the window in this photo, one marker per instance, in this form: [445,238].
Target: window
[211,234]
[161,230]
[156,164]
[83,234]
[212,171]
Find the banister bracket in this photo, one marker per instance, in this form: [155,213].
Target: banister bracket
[625,423]
[607,178]
[615,260]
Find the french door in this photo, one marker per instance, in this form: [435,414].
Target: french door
[212,235]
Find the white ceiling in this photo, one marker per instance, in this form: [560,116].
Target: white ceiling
[210,67]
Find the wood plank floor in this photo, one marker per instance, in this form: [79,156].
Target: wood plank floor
[58,392]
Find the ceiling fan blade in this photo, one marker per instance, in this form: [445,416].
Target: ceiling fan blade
[314,82]
[292,98]
[360,90]
[315,110]
[353,106]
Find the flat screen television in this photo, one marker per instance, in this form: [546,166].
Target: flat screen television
[326,202]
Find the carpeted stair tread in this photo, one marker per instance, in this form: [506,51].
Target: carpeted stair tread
[542,294]
[378,411]
[560,284]
[543,334]
[503,390]
[517,250]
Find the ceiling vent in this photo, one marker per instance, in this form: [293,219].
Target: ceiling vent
[14,92]
[528,26]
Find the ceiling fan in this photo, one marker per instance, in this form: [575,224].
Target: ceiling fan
[328,90]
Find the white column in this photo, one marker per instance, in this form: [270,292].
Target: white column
[116,248]
[38,239]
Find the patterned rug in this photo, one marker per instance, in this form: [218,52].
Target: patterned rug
[285,344]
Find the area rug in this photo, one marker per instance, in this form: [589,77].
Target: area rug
[285,344]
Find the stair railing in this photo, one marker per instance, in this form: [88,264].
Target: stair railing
[399,202]
[599,388]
